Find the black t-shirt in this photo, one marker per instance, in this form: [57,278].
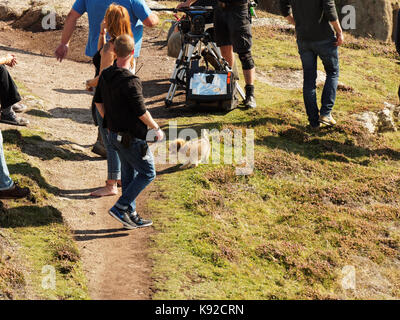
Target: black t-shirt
[121,93]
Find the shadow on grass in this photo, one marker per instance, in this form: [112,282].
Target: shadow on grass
[25,169]
[29,216]
[43,149]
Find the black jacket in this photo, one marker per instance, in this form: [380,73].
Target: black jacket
[312,18]
[398,33]
[121,93]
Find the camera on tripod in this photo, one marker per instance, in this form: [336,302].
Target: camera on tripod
[204,86]
[195,20]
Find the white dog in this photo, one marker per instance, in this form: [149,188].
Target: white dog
[191,153]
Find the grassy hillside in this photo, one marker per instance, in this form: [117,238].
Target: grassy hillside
[317,202]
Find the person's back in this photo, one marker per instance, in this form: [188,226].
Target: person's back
[312,18]
[122,90]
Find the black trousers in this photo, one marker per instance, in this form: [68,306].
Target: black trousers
[8,89]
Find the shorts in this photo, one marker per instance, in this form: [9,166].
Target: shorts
[233,27]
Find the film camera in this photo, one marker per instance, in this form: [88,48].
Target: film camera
[204,85]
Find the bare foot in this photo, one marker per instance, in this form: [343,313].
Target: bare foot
[108,190]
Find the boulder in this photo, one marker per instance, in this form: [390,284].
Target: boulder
[373,18]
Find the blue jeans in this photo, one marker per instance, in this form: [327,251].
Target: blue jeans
[137,173]
[5,180]
[113,162]
[309,53]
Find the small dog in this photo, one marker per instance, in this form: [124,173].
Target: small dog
[191,153]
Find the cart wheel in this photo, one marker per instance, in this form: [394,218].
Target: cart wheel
[168,103]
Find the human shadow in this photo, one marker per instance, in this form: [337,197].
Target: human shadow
[169,170]
[73,91]
[29,216]
[79,115]
[86,235]
[43,149]
[4,48]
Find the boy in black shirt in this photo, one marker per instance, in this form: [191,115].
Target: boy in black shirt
[120,102]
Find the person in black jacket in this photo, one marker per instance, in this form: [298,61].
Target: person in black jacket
[119,100]
[319,34]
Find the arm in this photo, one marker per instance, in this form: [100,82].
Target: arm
[102,37]
[152,20]
[69,27]
[332,16]
[148,120]
[187,3]
[339,32]
[100,108]
[107,60]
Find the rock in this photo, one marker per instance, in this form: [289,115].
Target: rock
[385,121]
[29,14]
[11,9]
[368,120]
[373,18]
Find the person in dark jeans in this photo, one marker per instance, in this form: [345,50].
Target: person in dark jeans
[120,102]
[9,96]
[319,34]
[232,24]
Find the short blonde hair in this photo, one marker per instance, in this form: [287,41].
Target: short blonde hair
[124,45]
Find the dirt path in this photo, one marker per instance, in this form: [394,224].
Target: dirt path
[116,260]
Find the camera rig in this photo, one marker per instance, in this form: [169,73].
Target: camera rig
[197,44]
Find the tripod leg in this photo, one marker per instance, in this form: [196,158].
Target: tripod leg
[173,86]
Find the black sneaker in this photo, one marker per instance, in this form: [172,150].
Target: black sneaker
[138,220]
[15,192]
[250,102]
[122,216]
[11,118]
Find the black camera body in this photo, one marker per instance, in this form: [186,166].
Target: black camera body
[196,19]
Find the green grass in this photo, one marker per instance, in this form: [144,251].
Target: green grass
[35,237]
[315,203]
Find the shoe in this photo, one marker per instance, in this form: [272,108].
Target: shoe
[15,192]
[313,128]
[122,216]
[327,120]
[19,107]
[99,149]
[11,118]
[250,102]
[138,220]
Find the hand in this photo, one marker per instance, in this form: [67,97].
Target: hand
[340,39]
[11,60]
[183,5]
[89,86]
[103,27]
[160,135]
[61,52]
